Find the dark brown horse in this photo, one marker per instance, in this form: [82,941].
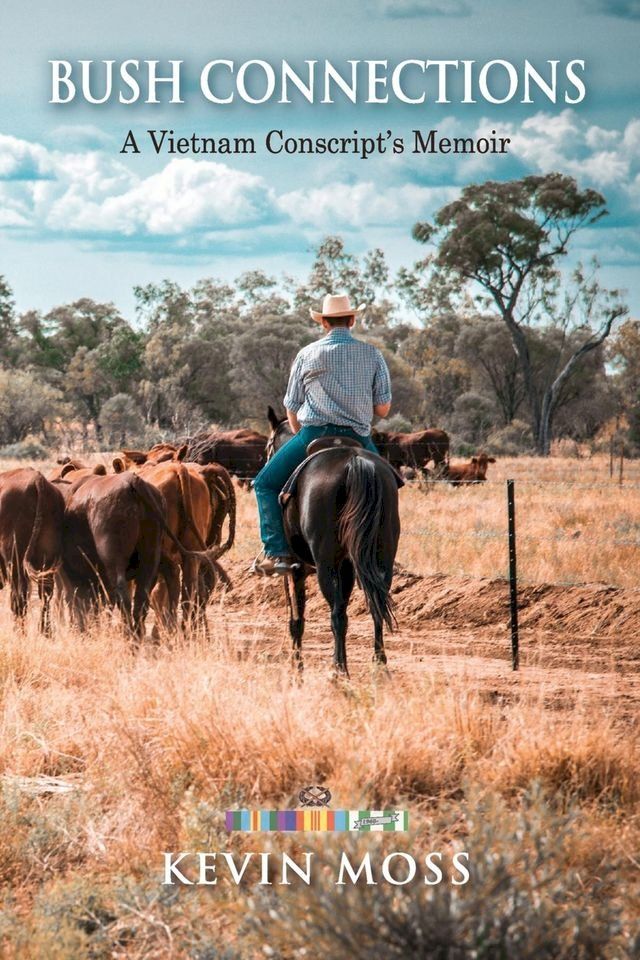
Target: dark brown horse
[341,519]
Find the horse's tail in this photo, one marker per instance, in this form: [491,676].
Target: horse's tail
[358,531]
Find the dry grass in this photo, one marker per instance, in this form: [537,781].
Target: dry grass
[157,745]
[154,746]
[571,521]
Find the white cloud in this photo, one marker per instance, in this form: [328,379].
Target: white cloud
[185,195]
[189,203]
[21,160]
[597,137]
[342,205]
[593,155]
[89,193]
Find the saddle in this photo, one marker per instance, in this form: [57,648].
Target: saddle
[315,449]
[327,443]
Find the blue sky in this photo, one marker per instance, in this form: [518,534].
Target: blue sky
[77,218]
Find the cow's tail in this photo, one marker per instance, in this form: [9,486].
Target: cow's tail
[224,489]
[36,530]
[184,478]
[359,529]
[231,514]
[208,555]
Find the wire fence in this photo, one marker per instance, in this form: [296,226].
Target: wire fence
[514,541]
[556,538]
[608,526]
[563,490]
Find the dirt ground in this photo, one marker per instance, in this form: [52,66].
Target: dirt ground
[575,642]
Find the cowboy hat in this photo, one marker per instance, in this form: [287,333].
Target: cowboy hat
[336,306]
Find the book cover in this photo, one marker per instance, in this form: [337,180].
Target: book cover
[319,480]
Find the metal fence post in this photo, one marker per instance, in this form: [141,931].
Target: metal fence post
[513,582]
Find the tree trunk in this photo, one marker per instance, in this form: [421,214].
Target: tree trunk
[542,411]
[543,436]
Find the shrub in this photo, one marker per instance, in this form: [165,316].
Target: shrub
[460,447]
[26,404]
[524,900]
[395,424]
[473,417]
[511,441]
[24,450]
[121,419]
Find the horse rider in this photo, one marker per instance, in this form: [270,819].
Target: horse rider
[336,386]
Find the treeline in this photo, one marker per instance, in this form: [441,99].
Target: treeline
[500,350]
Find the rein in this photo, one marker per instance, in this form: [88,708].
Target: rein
[271,442]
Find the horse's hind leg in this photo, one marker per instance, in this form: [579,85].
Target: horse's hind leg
[379,654]
[336,588]
[297,604]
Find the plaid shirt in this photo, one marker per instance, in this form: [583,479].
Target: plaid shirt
[338,379]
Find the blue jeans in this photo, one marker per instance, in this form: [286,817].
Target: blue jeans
[275,474]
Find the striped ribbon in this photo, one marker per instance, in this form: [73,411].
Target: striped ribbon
[317,820]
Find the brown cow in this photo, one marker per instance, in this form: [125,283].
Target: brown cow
[113,534]
[113,530]
[158,453]
[413,449]
[466,473]
[190,519]
[222,493]
[31,516]
[73,470]
[241,452]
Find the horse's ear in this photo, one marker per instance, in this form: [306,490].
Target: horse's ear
[491,460]
[68,467]
[63,460]
[182,452]
[119,466]
[273,418]
[474,460]
[100,470]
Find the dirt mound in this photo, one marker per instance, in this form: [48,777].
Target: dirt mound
[590,610]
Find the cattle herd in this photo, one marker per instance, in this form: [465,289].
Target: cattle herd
[150,534]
